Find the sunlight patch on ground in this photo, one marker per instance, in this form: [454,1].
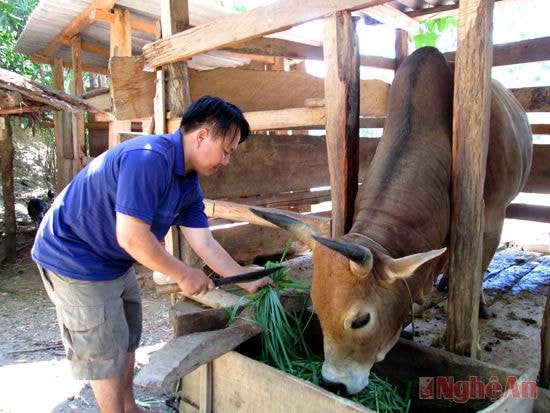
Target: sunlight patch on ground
[44,386]
[27,387]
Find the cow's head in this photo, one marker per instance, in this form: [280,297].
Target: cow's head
[361,300]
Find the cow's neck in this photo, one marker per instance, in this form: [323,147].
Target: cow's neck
[414,286]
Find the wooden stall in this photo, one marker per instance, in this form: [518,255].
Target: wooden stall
[279,169]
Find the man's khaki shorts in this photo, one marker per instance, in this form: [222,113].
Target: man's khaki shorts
[100,322]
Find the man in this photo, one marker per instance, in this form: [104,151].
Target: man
[115,212]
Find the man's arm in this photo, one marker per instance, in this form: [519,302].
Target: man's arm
[136,238]
[217,258]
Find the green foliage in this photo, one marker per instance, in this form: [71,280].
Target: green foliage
[13,15]
[431,31]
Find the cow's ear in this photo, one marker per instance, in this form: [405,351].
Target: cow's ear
[399,268]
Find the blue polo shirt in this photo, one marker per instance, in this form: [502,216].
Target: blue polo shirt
[143,177]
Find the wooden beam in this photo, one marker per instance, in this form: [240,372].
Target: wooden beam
[132,88]
[268,46]
[233,85]
[121,45]
[95,48]
[242,213]
[539,176]
[544,372]
[89,47]
[472,96]
[52,97]
[286,118]
[301,88]
[401,47]
[184,354]
[539,213]
[78,24]
[174,19]
[436,11]
[524,51]
[22,109]
[137,25]
[46,60]
[79,138]
[342,113]
[391,16]
[62,178]
[257,22]
[533,99]
[297,163]
[8,194]
[543,129]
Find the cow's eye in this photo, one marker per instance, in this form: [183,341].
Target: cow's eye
[360,321]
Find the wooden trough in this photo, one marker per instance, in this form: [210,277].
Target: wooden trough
[219,373]
[236,382]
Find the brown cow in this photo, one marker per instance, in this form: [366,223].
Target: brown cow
[362,281]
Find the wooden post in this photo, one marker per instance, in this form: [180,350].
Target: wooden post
[64,165]
[341,56]
[472,94]
[121,45]
[544,373]
[79,151]
[6,168]
[401,46]
[205,397]
[173,86]
[175,18]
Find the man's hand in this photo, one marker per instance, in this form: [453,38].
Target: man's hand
[194,281]
[254,286]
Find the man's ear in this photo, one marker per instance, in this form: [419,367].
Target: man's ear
[200,136]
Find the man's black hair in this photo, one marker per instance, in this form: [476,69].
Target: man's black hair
[218,114]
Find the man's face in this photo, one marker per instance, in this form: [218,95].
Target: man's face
[215,153]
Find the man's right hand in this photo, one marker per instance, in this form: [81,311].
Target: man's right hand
[195,281]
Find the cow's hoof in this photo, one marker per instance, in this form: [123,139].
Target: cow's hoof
[443,284]
[407,334]
[483,312]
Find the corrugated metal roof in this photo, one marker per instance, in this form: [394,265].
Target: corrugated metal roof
[50,17]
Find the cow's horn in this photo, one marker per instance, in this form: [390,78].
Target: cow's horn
[300,229]
[358,254]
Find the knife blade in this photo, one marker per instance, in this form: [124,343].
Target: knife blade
[246,277]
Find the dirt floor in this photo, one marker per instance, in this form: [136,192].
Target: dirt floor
[34,376]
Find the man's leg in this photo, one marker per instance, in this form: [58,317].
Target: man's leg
[130,405]
[117,394]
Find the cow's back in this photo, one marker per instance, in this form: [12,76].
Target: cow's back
[406,187]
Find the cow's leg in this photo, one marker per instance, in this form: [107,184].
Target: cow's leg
[491,240]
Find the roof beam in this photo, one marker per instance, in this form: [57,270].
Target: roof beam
[267,46]
[257,22]
[48,60]
[108,16]
[78,24]
[437,11]
[389,15]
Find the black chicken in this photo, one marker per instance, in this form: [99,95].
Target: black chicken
[37,208]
